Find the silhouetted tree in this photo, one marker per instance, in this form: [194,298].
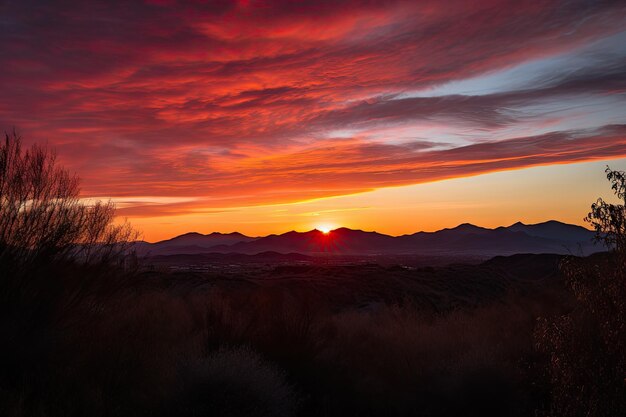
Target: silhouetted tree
[587,347]
[609,220]
[42,216]
[59,257]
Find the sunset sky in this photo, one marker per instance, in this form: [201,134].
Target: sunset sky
[268,116]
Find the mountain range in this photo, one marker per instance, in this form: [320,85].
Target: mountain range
[466,239]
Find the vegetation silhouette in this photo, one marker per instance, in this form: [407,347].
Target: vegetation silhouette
[587,347]
[58,256]
[42,217]
[88,331]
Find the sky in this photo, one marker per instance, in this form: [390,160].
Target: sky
[269,116]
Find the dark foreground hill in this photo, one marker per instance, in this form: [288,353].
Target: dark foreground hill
[463,240]
[346,285]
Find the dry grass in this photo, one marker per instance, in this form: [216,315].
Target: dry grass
[160,347]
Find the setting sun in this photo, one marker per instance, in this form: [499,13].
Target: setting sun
[324,228]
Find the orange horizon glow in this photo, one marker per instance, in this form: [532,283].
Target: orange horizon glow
[533,195]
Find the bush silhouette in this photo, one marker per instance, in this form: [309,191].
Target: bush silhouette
[587,347]
[59,258]
[42,217]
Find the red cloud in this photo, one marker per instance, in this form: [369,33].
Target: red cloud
[349,166]
[239,100]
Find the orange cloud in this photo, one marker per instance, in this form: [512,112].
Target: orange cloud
[243,103]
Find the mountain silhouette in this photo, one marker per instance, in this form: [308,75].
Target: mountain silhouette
[191,243]
[548,237]
[553,230]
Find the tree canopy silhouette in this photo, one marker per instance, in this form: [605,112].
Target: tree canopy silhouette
[42,216]
[609,220]
[587,347]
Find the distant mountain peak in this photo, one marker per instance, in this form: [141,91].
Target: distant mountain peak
[557,223]
[467,227]
[347,230]
[225,234]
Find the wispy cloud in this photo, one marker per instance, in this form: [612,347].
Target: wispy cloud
[240,103]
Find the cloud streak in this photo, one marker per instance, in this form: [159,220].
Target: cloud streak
[243,103]
[349,166]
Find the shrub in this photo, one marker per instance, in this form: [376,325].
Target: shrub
[60,260]
[587,347]
[42,217]
[234,382]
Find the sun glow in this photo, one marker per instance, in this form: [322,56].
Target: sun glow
[324,228]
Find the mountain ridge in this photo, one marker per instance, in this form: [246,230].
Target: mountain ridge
[547,237]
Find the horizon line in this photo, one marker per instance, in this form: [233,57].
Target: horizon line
[362,230]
